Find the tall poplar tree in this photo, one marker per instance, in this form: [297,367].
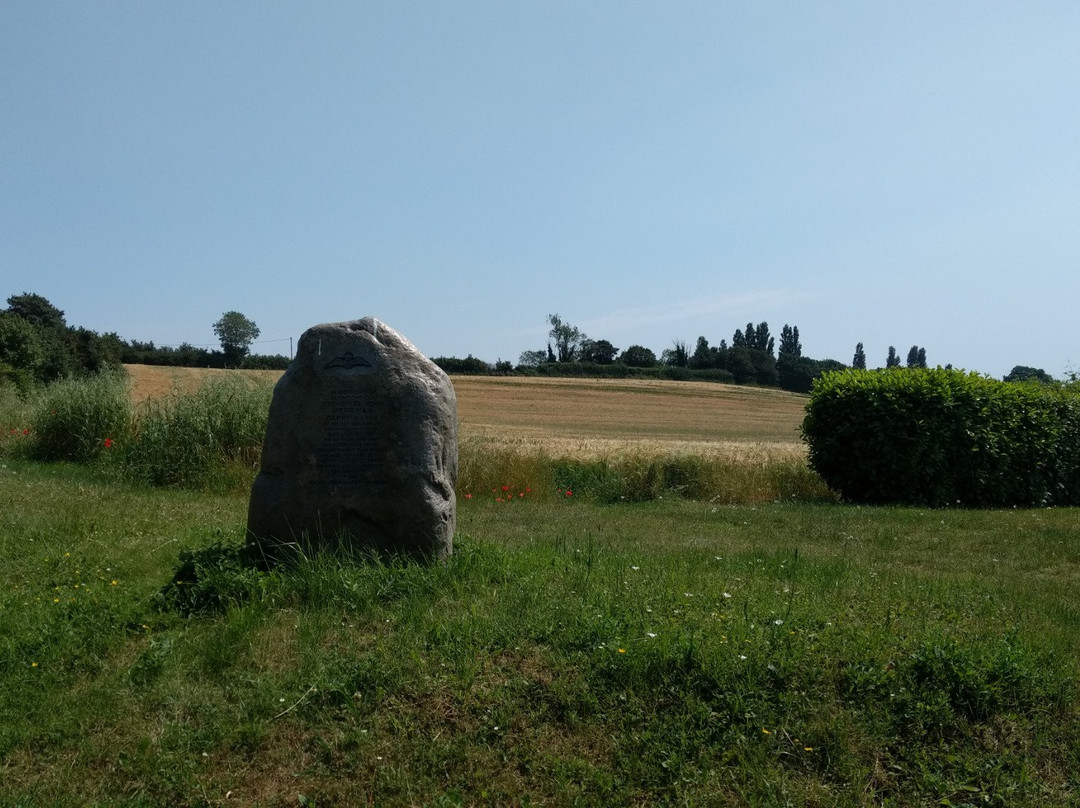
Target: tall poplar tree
[859,360]
[916,357]
[702,356]
[789,341]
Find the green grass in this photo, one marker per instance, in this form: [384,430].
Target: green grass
[203,439]
[80,419]
[570,652]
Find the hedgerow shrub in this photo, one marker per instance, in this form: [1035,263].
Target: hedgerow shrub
[943,437]
[618,370]
[79,418]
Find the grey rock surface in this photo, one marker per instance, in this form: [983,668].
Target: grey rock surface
[360,452]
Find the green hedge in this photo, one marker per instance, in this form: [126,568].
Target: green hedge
[617,370]
[943,437]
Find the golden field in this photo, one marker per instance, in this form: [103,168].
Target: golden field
[586,416]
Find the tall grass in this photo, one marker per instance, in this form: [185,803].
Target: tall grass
[201,438]
[78,419]
[208,438]
[729,477]
[16,416]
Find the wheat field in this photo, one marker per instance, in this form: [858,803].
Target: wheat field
[586,417]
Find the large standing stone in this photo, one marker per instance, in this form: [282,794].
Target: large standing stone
[360,451]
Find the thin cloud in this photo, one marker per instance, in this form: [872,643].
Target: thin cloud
[747,304]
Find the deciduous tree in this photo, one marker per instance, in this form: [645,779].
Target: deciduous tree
[567,338]
[638,356]
[1023,373]
[36,310]
[236,333]
[531,359]
[21,345]
[599,351]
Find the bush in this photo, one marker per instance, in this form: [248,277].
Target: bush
[943,437]
[469,365]
[15,378]
[265,362]
[797,373]
[22,349]
[210,580]
[78,419]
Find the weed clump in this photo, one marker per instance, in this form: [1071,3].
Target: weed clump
[210,580]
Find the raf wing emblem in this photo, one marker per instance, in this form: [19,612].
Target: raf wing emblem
[348,362]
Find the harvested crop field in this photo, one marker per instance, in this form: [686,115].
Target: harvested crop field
[586,416]
[599,415]
[154,381]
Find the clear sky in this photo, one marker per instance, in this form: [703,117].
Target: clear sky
[887,173]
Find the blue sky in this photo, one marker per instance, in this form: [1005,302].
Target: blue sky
[886,173]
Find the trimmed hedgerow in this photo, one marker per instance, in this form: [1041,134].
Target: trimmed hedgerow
[944,437]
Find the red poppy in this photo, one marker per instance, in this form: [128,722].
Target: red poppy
[108,443]
[569,493]
[26,431]
[468,496]
[506,488]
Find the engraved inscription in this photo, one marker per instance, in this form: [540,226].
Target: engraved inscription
[350,453]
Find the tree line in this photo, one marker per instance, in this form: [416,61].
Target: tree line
[753,356]
[38,346]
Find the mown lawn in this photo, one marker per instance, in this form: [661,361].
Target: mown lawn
[667,652]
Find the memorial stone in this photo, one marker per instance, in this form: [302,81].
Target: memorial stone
[360,452]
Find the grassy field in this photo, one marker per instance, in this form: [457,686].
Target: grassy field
[570,653]
[576,650]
